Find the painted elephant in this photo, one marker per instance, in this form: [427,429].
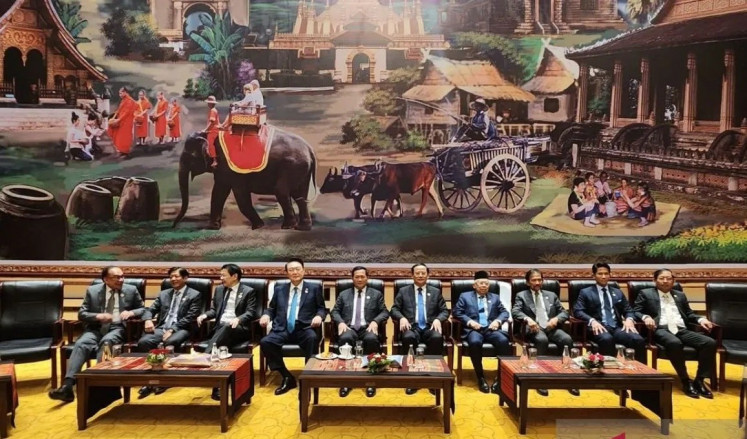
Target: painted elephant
[289,175]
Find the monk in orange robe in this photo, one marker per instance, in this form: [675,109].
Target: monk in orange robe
[174,120]
[120,125]
[141,118]
[159,116]
[212,128]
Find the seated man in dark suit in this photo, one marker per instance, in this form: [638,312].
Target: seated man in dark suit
[667,312]
[609,316]
[176,307]
[358,314]
[544,316]
[424,306]
[482,315]
[294,310]
[104,310]
[233,308]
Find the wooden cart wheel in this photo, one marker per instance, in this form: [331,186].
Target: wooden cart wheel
[457,198]
[505,183]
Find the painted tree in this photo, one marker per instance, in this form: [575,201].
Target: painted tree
[641,10]
[502,52]
[69,13]
[218,41]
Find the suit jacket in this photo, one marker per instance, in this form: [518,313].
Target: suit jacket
[648,304]
[524,306]
[588,305]
[188,308]
[246,305]
[310,304]
[405,305]
[374,309]
[467,309]
[95,303]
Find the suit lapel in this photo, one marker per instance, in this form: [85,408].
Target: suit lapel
[530,302]
[102,299]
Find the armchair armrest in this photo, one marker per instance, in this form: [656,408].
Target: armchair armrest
[57,331]
[70,326]
[134,327]
[578,330]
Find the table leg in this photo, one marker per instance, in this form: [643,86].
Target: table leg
[304,405]
[316,395]
[126,392]
[524,396]
[448,395]
[82,394]
[438,397]
[223,406]
[665,407]
[4,408]
[623,397]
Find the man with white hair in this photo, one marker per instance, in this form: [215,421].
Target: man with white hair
[252,98]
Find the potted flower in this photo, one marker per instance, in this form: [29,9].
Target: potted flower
[378,363]
[593,363]
[157,358]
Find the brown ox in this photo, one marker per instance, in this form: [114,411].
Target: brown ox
[395,179]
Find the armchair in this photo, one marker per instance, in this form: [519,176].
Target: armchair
[342,285]
[205,287]
[503,289]
[726,306]
[519,328]
[31,322]
[579,327]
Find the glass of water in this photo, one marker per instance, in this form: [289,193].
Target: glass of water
[630,358]
[359,349]
[575,353]
[420,358]
[116,354]
[532,355]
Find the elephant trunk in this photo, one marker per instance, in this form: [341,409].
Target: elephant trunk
[183,190]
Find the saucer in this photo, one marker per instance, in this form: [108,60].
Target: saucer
[225,357]
[343,357]
[327,356]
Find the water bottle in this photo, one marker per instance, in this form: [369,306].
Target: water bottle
[566,358]
[107,354]
[620,354]
[524,360]
[410,356]
[214,356]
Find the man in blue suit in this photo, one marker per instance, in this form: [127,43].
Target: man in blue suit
[482,315]
[295,310]
[610,318]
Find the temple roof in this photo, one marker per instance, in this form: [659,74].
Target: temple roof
[555,73]
[346,11]
[719,28]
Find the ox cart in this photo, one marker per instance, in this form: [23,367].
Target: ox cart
[494,171]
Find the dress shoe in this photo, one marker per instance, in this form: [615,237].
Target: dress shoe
[159,390]
[690,390]
[543,392]
[371,392]
[494,387]
[344,391]
[287,384]
[433,392]
[702,389]
[215,395]
[574,392]
[411,391]
[63,393]
[483,386]
[145,391]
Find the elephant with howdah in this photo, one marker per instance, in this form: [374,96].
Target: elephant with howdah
[289,175]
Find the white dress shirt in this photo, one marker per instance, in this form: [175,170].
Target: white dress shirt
[229,313]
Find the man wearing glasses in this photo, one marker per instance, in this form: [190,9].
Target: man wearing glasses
[104,310]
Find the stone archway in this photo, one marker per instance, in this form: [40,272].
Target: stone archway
[190,19]
[14,72]
[351,62]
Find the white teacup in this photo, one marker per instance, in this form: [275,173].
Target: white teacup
[346,350]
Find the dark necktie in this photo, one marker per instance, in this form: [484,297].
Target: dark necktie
[173,310]
[421,309]
[293,307]
[357,307]
[608,317]
[109,310]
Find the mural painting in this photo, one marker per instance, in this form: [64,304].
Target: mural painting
[452,131]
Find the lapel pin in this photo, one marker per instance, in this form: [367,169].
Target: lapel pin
[305,290]
[368,297]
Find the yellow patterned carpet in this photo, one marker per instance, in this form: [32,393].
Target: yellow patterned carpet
[391,414]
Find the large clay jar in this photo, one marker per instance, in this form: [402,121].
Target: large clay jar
[140,200]
[90,202]
[113,184]
[33,224]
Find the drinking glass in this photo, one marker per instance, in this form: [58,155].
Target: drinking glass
[116,353]
[420,358]
[630,358]
[532,354]
[575,353]
[223,353]
[359,349]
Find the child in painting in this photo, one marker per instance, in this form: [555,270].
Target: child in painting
[642,205]
[77,141]
[580,207]
[623,192]
[591,194]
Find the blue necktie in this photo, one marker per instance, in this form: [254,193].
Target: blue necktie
[609,317]
[481,313]
[421,309]
[293,306]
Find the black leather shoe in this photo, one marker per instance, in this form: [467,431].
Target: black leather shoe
[702,389]
[434,392]
[543,392]
[411,391]
[145,391]
[63,393]
[344,391]
[494,387]
[371,392]
[574,392]
[690,390]
[287,384]
[483,386]
[216,394]
[159,390]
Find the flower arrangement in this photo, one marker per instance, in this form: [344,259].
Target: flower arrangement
[593,363]
[378,363]
[157,357]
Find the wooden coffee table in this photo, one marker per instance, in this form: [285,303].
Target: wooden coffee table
[651,387]
[340,373]
[8,397]
[98,386]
